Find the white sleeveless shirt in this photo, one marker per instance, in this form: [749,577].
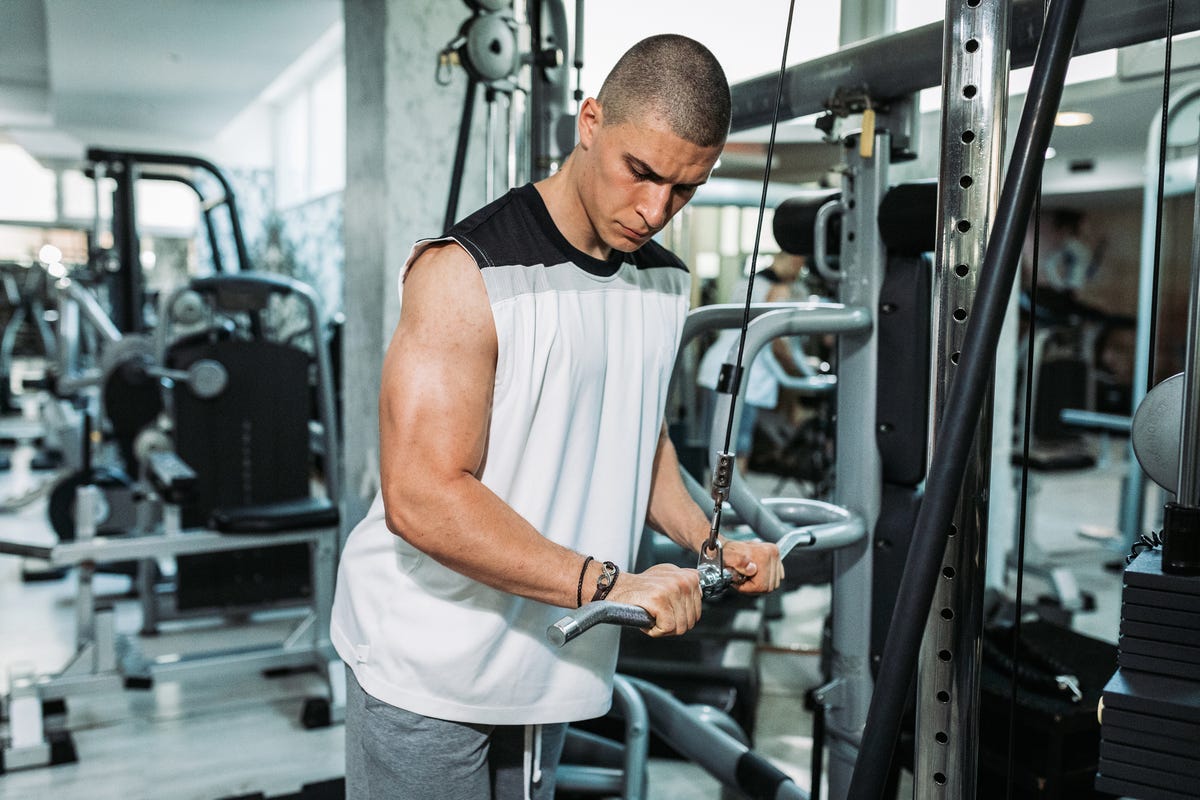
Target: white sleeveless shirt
[586,349]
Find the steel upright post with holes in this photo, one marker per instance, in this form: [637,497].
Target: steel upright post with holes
[974,102]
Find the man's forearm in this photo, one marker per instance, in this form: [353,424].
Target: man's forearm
[672,510]
[462,525]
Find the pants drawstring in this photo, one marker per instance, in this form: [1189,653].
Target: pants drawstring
[532,759]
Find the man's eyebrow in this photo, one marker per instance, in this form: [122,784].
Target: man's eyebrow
[641,166]
[644,168]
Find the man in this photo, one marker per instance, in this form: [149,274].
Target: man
[523,449]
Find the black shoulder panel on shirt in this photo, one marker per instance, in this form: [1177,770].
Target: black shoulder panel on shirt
[504,233]
[517,230]
[652,254]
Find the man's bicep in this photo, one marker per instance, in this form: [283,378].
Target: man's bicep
[439,371]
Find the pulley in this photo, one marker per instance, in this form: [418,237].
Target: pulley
[489,47]
[1156,430]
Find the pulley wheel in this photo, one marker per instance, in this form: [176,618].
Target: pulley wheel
[1156,431]
[491,48]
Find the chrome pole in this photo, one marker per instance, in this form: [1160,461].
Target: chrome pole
[974,104]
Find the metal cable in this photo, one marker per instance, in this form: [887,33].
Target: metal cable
[1023,507]
[714,530]
[1162,174]
[762,210]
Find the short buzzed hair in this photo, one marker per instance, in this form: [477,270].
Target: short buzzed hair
[675,78]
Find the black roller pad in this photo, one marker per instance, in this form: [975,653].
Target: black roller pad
[908,218]
[1146,572]
[1166,745]
[1164,667]
[1148,776]
[1171,634]
[1150,758]
[1154,695]
[1123,788]
[1148,723]
[1152,598]
[1160,616]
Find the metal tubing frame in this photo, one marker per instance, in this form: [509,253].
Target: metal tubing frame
[956,433]
[759,333]
[127,300]
[1187,491]
[729,315]
[90,307]
[872,63]
[1133,497]
[827,526]
[97,154]
[858,465]
[721,755]
[206,207]
[974,103]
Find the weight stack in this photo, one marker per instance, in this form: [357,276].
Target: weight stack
[1150,722]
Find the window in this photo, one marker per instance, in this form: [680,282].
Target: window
[746,49]
[327,109]
[310,138]
[29,193]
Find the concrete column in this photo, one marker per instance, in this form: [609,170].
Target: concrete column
[401,128]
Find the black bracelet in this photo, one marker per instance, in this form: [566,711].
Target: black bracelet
[579,590]
[604,583]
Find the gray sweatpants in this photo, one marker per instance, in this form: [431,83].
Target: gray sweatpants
[393,754]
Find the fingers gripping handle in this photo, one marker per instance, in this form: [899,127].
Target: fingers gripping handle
[596,613]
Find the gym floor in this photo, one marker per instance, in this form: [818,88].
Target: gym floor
[236,734]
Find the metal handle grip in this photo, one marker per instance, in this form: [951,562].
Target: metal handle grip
[596,613]
[821,240]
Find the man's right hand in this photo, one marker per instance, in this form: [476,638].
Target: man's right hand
[670,593]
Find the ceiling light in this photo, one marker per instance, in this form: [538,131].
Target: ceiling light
[49,254]
[1072,119]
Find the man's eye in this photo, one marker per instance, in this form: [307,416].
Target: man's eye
[641,176]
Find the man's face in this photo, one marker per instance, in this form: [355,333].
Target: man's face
[639,175]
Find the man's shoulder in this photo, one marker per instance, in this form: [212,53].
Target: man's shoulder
[505,206]
[505,232]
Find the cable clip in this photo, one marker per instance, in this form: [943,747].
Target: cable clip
[721,481]
[1069,683]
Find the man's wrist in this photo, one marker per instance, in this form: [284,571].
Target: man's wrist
[596,580]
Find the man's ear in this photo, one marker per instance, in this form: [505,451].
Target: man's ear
[590,117]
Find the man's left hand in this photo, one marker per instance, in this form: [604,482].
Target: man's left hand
[758,562]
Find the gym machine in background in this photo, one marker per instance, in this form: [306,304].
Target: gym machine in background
[120,261]
[1151,714]
[519,51]
[215,514]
